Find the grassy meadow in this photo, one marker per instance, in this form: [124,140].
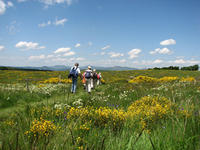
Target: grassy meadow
[131,110]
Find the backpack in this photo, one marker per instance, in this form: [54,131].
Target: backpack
[95,75]
[98,76]
[73,73]
[88,75]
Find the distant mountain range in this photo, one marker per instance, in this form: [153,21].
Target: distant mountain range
[63,68]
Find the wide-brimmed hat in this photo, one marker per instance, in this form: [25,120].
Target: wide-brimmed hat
[89,67]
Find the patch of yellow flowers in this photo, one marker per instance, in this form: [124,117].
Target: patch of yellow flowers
[146,79]
[142,79]
[188,79]
[9,123]
[149,110]
[103,81]
[101,117]
[146,112]
[56,80]
[41,128]
[167,79]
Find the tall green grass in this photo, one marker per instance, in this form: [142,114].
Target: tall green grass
[174,133]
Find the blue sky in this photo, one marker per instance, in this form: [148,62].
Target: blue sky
[133,33]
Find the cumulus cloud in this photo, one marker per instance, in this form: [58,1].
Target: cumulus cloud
[113,54]
[105,47]
[2,7]
[37,57]
[44,24]
[59,59]
[168,42]
[134,53]
[50,56]
[13,27]
[122,60]
[53,2]
[69,53]
[9,4]
[1,47]
[157,61]
[179,61]
[161,51]
[184,62]
[80,59]
[77,45]
[28,45]
[56,22]
[60,22]
[20,1]
[62,50]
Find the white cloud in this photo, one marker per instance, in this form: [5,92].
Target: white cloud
[37,57]
[2,7]
[44,24]
[28,45]
[59,59]
[161,51]
[122,60]
[60,22]
[168,42]
[13,27]
[77,45]
[157,61]
[62,50]
[1,47]
[113,54]
[80,59]
[50,56]
[52,2]
[9,4]
[193,62]
[69,53]
[134,53]
[20,1]
[105,47]
[179,61]
[184,62]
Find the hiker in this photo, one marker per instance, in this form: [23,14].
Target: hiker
[99,78]
[83,80]
[74,73]
[94,77]
[88,78]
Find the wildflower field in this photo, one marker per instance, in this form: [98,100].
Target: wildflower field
[140,110]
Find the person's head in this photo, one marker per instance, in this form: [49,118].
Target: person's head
[89,67]
[94,70]
[76,64]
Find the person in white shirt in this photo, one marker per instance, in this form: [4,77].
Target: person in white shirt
[74,73]
[88,77]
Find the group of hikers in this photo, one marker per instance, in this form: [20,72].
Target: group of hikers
[90,78]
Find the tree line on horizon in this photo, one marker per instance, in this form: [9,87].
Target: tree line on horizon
[188,68]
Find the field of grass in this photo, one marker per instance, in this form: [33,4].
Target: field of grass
[141,109]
